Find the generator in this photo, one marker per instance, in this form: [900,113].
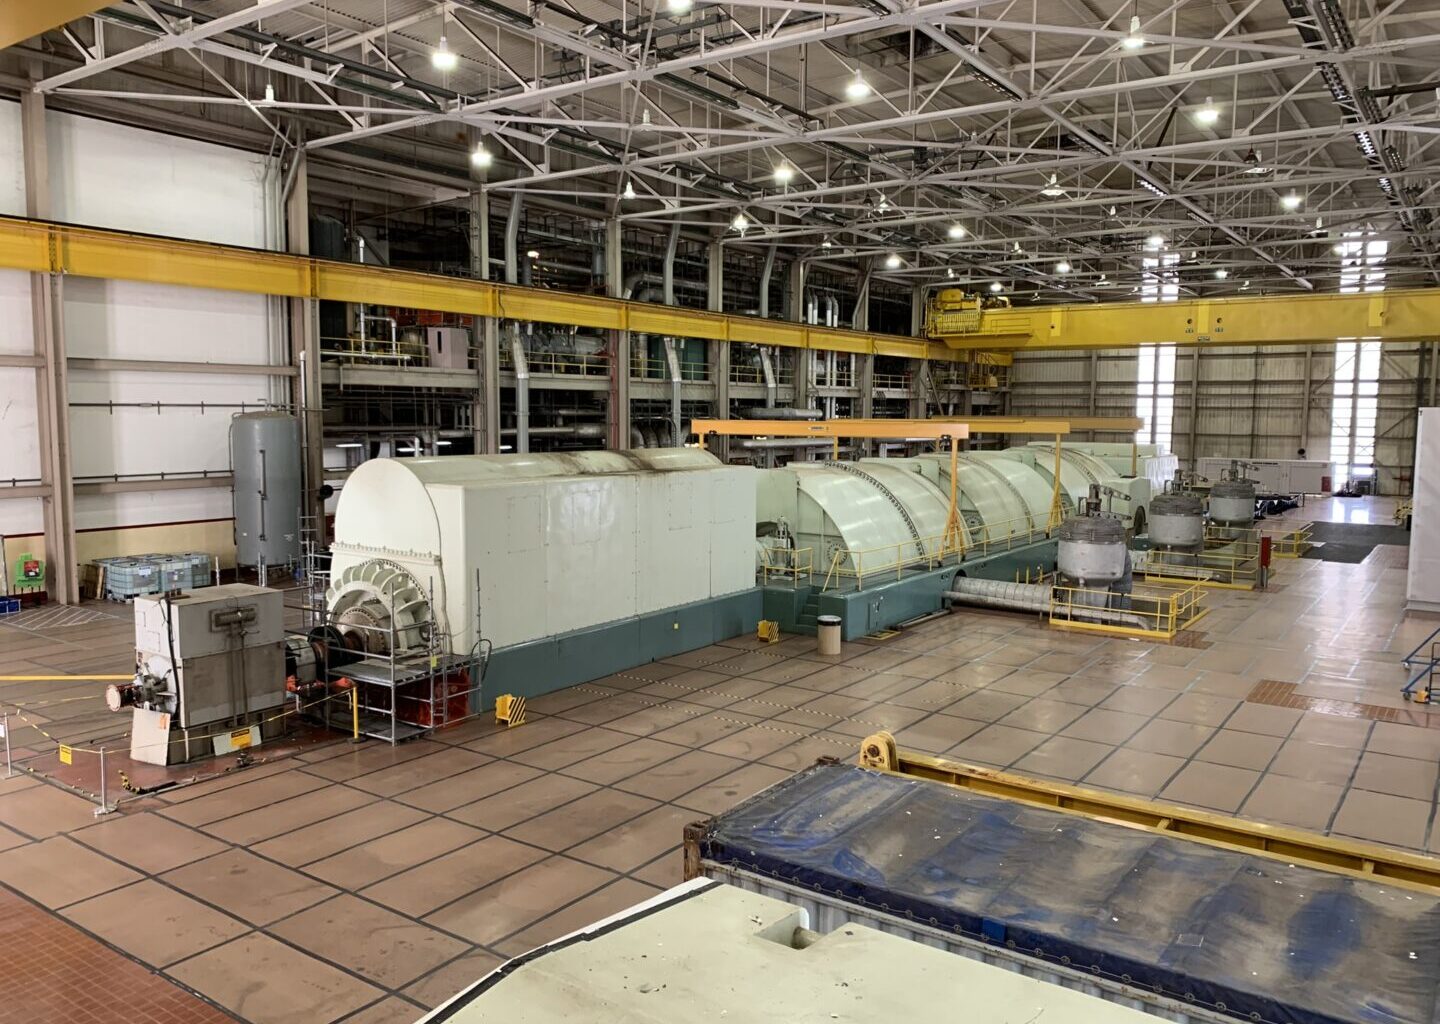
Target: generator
[209,672]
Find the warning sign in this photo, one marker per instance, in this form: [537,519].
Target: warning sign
[240,739]
[67,756]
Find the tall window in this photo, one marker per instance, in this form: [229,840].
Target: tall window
[1354,406]
[1155,372]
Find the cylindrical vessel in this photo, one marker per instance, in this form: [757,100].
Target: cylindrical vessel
[1177,521]
[265,461]
[1232,502]
[1092,550]
[827,635]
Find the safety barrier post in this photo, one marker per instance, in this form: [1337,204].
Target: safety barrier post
[104,807]
[354,715]
[5,729]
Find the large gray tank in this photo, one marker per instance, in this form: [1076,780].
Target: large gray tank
[1092,551]
[1232,502]
[1177,522]
[265,460]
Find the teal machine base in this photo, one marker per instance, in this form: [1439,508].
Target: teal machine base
[888,601]
[555,662]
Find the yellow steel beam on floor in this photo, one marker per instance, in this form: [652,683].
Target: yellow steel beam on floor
[117,255]
[1399,315]
[1276,842]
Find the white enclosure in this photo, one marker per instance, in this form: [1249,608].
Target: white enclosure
[552,543]
[1422,583]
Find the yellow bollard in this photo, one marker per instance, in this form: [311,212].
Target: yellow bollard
[354,715]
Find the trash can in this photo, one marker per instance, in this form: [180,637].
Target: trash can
[827,631]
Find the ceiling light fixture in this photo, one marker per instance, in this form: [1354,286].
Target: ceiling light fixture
[857,88]
[1134,40]
[679,6]
[349,444]
[949,271]
[1208,114]
[826,243]
[481,157]
[996,286]
[1221,274]
[956,231]
[1063,267]
[1155,242]
[784,173]
[740,223]
[533,254]
[269,100]
[1053,189]
[893,261]
[629,192]
[1290,201]
[443,58]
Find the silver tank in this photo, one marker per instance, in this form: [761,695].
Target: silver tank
[1232,502]
[1092,550]
[1177,521]
[265,460]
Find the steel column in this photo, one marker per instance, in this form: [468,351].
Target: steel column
[619,394]
[52,416]
[305,353]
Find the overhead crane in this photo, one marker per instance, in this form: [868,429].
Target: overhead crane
[957,326]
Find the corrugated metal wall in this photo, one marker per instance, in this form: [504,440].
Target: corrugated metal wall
[1251,402]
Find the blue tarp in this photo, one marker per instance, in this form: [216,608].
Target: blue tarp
[1253,937]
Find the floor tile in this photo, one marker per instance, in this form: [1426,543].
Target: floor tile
[669,780]
[147,841]
[242,884]
[568,749]
[1315,762]
[439,881]
[728,790]
[1103,726]
[1261,718]
[467,787]
[265,981]
[519,899]
[934,734]
[598,905]
[1178,739]
[1138,700]
[1385,738]
[521,803]
[43,811]
[599,812]
[419,772]
[460,973]
[391,1010]
[1134,771]
[327,838]
[1211,785]
[154,923]
[238,799]
[638,841]
[1200,708]
[1398,776]
[1293,802]
[623,761]
[375,943]
[58,871]
[1240,749]
[286,815]
[1063,757]
[390,854]
[1381,818]
[996,745]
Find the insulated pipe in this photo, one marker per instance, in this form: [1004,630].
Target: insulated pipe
[522,396]
[765,282]
[1029,597]
[786,442]
[762,412]
[512,239]
[667,280]
[673,359]
[832,311]
[637,439]
[767,367]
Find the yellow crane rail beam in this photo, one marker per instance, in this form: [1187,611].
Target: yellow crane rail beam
[1293,846]
[1391,315]
[42,247]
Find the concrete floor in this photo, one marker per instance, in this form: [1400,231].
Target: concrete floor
[365,884]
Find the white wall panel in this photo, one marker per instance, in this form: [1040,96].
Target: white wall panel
[116,176]
[12,168]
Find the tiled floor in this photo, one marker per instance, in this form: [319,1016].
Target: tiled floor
[365,884]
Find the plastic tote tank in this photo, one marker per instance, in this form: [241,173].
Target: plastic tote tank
[265,461]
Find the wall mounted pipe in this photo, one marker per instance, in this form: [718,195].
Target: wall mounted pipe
[522,396]
[667,279]
[672,359]
[771,412]
[767,367]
